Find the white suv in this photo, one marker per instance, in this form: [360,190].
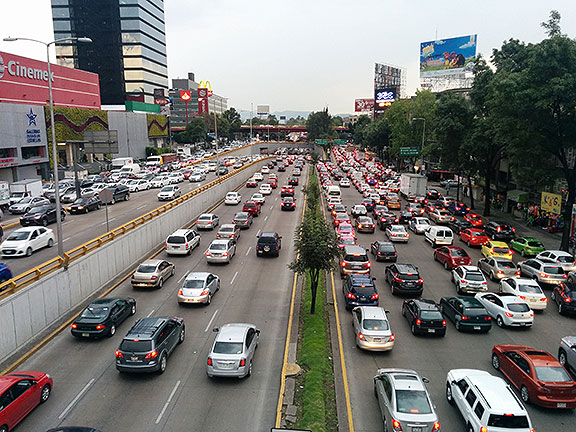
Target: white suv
[487,403]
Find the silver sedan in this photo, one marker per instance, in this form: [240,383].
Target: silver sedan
[198,287]
[221,251]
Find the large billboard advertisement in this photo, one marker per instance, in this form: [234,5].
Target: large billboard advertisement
[447,56]
[386,76]
[25,80]
[383,98]
[361,105]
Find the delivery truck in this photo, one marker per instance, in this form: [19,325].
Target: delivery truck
[412,185]
[163,159]
[25,188]
[4,195]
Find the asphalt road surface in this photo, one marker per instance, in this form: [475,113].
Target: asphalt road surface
[89,391]
[434,357]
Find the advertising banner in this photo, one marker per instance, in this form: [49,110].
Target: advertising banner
[447,56]
[363,105]
[24,80]
[185,95]
[551,202]
[160,97]
[387,76]
[383,98]
[263,110]
[203,101]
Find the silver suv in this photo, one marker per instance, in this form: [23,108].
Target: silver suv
[542,270]
[233,351]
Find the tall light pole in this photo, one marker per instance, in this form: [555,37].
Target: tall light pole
[53,127]
[422,119]
[251,115]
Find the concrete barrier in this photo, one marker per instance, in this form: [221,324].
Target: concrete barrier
[28,313]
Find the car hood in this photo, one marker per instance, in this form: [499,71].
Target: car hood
[14,243]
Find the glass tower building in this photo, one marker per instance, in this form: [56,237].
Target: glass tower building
[128,49]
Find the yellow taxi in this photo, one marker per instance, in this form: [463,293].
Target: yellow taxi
[497,249]
[394,203]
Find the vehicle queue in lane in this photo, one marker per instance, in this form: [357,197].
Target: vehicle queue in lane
[166,295]
[431,355]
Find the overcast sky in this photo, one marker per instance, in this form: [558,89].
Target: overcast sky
[307,54]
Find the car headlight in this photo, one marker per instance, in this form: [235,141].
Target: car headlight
[38,216]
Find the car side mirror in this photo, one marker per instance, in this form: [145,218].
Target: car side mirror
[257,331]
[387,311]
[215,329]
[426,380]
[279,237]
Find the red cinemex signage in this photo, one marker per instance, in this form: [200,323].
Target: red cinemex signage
[24,80]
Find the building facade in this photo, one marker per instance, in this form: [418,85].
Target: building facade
[178,117]
[128,49]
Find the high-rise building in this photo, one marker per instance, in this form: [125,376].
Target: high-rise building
[128,49]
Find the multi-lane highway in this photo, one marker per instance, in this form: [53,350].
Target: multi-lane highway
[89,391]
[434,357]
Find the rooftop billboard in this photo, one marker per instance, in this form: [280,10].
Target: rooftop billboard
[447,56]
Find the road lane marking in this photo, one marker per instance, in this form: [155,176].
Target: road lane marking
[151,312]
[76,399]
[66,239]
[271,207]
[276,199]
[248,251]
[258,233]
[210,322]
[233,278]
[266,218]
[109,220]
[168,402]
[141,207]
[183,276]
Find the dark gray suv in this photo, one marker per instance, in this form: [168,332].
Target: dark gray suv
[148,344]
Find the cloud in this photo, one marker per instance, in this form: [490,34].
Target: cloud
[470,43]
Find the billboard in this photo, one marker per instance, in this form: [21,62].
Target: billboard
[551,202]
[25,80]
[447,56]
[363,105]
[383,98]
[263,110]
[386,76]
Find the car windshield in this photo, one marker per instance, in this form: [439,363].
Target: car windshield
[552,374]
[375,324]
[146,268]
[459,253]
[81,201]
[474,276]
[176,240]
[95,312]
[553,270]
[218,246]
[535,244]
[193,283]
[507,421]
[412,402]
[167,189]
[430,315]
[518,307]
[25,200]
[228,348]
[22,235]
[136,345]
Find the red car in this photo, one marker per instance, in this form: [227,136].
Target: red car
[451,257]
[252,207]
[540,378]
[473,237]
[341,217]
[474,218]
[273,183]
[20,393]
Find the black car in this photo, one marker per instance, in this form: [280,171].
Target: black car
[286,191]
[359,290]
[369,203]
[101,317]
[293,181]
[404,279]
[467,313]
[281,168]
[459,224]
[564,295]
[384,251]
[424,317]
[148,344]
[405,216]
[269,243]
[42,215]
[119,193]
[84,205]
[288,204]
[222,171]
[432,195]
[499,231]
[386,219]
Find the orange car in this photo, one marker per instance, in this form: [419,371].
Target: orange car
[474,218]
[394,203]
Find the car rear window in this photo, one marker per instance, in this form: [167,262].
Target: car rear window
[553,374]
[266,240]
[408,276]
[375,324]
[193,283]
[554,270]
[95,312]
[386,248]
[518,307]
[565,259]
[475,311]
[431,315]
[228,348]
[530,289]
[501,250]
[479,234]
[459,253]
[506,264]
[508,421]
[535,244]
[363,290]
[136,346]
[412,402]
[356,258]
[146,269]
[474,276]
[176,239]
[218,246]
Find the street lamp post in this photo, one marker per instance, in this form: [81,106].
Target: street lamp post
[422,119]
[53,127]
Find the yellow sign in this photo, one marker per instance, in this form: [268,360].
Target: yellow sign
[551,202]
[206,85]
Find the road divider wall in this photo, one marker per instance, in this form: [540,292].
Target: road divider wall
[29,311]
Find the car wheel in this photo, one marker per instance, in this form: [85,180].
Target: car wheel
[173,271]
[209,299]
[449,396]
[523,252]
[45,395]
[435,257]
[182,335]
[126,197]
[50,243]
[495,362]
[160,283]
[469,428]
[468,243]
[492,276]
[403,311]
[413,329]
[457,325]
[524,394]
[446,265]
[499,321]
[113,201]
[133,310]
[384,426]
[163,362]
[112,330]
[86,210]
[3,429]
[44,222]
[560,309]
[28,251]
[98,206]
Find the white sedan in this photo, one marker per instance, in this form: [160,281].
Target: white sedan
[527,289]
[197,176]
[345,183]
[160,181]
[24,241]
[139,185]
[265,189]
[419,224]
[232,198]
[258,197]
[397,233]
[258,176]
[507,309]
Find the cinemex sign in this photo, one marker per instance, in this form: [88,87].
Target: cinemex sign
[25,80]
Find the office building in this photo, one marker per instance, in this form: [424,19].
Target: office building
[128,49]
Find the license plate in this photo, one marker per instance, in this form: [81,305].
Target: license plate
[175,247]
[561,405]
[134,358]
[477,327]
[85,335]
[431,330]
[416,429]
[377,340]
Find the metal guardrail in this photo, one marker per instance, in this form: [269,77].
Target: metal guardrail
[24,279]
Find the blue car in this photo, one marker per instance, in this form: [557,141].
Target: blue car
[5,274]
[359,290]
[369,203]
[458,208]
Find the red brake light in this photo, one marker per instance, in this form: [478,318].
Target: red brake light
[418,321]
[436,426]
[153,277]
[179,292]
[243,362]
[74,326]
[375,297]
[487,318]
[509,315]
[118,354]
[420,280]
[100,327]
[567,299]
[209,361]
[483,429]
[205,292]
[369,264]
[464,318]
[396,425]
[543,275]
[443,322]
[360,336]
[351,296]
[343,264]
[152,354]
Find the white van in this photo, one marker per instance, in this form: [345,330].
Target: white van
[439,236]
[131,169]
[333,191]
[486,402]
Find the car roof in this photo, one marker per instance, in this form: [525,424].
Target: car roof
[426,304]
[205,215]
[220,241]
[27,229]
[268,234]
[499,243]
[197,275]
[145,328]
[233,332]
[469,302]
[180,232]
[373,312]
[404,379]
[406,268]
[469,268]
[104,302]
[353,249]
[153,262]
[491,388]
[227,226]
[362,279]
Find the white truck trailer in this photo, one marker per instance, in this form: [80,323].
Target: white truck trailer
[25,188]
[412,184]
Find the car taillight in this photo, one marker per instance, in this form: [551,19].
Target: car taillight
[436,426]
[500,272]
[392,337]
[351,296]
[518,273]
[543,275]
[74,326]
[420,280]
[368,264]
[152,354]
[343,264]
[545,299]
[510,251]
[166,245]
[209,362]
[207,253]
[564,276]
[242,362]
[509,315]
[464,317]
[360,336]
[375,297]
[443,322]
[487,318]
[418,321]
[522,297]
[118,354]
[483,429]
[396,425]
[100,327]
[567,299]
[499,229]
